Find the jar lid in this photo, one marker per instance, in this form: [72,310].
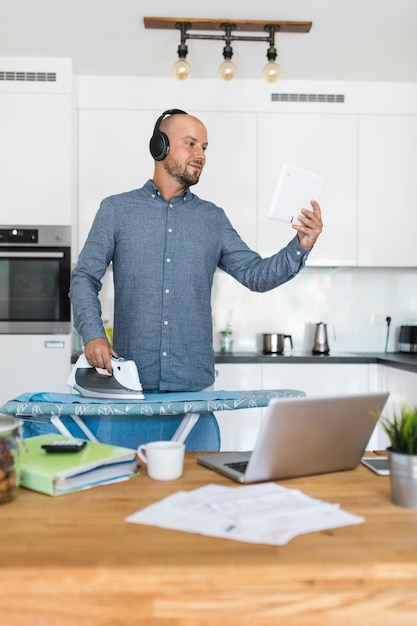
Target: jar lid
[8,424]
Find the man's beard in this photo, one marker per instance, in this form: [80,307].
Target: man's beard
[181,175]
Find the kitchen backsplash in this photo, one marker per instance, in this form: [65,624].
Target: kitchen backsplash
[344,298]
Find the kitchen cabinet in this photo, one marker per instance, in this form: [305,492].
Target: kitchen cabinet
[387,165]
[403,390]
[34,363]
[327,379]
[36,141]
[238,429]
[317,379]
[402,386]
[113,158]
[239,432]
[229,178]
[326,145]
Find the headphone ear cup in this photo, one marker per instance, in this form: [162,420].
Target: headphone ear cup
[159,145]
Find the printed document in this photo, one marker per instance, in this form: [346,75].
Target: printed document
[263,513]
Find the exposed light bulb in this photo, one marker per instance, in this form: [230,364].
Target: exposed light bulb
[227,70]
[181,69]
[271,72]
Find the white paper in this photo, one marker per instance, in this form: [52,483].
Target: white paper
[263,513]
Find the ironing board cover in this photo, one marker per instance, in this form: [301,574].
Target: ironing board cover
[30,406]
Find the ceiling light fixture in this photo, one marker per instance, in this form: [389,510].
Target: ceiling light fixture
[227,70]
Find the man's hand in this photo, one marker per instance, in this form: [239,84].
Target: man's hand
[311,225]
[98,351]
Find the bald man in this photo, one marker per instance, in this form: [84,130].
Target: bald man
[165,244]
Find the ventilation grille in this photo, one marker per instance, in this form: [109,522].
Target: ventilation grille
[43,77]
[307,97]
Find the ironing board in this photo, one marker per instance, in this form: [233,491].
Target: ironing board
[192,404]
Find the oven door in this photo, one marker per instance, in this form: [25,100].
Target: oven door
[34,285]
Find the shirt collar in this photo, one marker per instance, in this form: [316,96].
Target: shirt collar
[152,190]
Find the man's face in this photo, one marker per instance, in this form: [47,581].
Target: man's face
[187,144]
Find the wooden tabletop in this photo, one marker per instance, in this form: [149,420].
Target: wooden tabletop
[74,560]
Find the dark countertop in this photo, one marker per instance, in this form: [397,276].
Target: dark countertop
[398,360]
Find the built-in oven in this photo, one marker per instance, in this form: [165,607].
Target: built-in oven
[35,267]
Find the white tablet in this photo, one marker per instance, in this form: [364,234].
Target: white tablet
[294,190]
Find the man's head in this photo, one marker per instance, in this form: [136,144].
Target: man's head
[185,137]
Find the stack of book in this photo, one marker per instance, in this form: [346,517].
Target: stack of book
[56,473]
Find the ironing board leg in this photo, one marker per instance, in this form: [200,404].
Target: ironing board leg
[60,426]
[187,424]
[84,428]
[57,422]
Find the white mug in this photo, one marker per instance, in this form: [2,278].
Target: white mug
[164,459]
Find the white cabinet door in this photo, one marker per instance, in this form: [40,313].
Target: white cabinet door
[327,379]
[34,363]
[387,191]
[402,386]
[238,429]
[113,157]
[327,145]
[317,379]
[35,158]
[229,178]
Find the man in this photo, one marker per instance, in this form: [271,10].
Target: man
[165,244]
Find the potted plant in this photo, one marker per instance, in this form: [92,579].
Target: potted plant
[401,430]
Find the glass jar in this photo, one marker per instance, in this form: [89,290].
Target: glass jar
[9,457]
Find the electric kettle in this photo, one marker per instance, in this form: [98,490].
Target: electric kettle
[321,344]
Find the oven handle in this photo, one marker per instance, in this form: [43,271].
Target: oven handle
[31,255]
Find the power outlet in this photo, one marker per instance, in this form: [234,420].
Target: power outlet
[378,319]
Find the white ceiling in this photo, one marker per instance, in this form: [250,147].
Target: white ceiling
[359,40]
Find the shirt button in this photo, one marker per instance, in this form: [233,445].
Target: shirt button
[166,290]
[298,253]
[153,195]
[168,260]
[170,230]
[165,323]
[164,354]
[170,206]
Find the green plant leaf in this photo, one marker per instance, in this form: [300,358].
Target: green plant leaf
[401,430]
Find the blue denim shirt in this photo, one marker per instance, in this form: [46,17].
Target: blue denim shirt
[164,257]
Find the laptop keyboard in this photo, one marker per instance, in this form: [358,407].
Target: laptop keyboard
[239,466]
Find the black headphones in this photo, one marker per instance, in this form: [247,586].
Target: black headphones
[159,143]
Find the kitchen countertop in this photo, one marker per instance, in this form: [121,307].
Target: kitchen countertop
[398,360]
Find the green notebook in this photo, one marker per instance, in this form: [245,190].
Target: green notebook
[57,473]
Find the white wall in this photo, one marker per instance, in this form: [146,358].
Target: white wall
[345,298]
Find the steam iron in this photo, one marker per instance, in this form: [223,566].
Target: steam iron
[123,384]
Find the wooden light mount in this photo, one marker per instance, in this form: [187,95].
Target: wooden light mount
[220,24]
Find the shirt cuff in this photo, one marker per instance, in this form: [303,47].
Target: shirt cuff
[296,250]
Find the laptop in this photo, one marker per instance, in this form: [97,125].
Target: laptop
[294,190]
[304,436]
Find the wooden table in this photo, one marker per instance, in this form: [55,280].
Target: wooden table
[75,561]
